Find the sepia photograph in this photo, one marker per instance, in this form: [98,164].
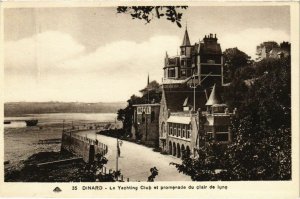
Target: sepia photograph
[147,94]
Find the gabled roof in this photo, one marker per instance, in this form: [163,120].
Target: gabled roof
[186,39]
[214,97]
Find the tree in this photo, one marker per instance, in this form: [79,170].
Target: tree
[234,59]
[148,13]
[150,94]
[91,172]
[125,115]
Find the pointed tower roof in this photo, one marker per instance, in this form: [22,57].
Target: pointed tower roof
[186,39]
[214,97]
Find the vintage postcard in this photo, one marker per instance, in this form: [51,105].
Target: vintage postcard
[143,99]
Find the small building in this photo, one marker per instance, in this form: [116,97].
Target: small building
[273,50]
[145,127]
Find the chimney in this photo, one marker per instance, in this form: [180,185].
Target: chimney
[215,35]
[211,35]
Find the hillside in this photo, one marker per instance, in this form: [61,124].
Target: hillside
[21,108]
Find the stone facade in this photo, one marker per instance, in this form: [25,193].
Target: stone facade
[146,123]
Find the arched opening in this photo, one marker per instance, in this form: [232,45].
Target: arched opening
[170,148]
[188,151]
[174,149]
[178,151]
[182,150]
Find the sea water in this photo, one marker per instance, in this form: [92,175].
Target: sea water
[20,142]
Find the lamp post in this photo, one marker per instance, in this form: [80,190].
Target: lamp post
[194,86]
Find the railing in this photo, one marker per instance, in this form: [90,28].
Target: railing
[120,178]
[86,140]
[71,132]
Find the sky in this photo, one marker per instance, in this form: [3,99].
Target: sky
[93,54]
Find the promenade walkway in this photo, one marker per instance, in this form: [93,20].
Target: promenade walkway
[136,160]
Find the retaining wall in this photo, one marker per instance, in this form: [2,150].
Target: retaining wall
[82,146]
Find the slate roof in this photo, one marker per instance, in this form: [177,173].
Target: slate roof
[176,97]
[210,48]
[186,39]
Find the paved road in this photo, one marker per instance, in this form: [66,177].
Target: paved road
[136,160]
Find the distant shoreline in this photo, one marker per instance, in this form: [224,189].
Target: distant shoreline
[26,114]
[20,109]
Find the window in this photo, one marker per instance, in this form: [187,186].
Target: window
[183,133]
[223,128]
[179,133]
[188,63]
[175,132]
[171,72]
[188,134]
[222,137]
[152,116]
[183,73]
[143,117]
[215,70]
[170,132]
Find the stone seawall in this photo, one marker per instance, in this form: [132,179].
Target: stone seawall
[82,146]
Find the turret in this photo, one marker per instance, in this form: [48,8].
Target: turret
[214,103]
[185,48]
